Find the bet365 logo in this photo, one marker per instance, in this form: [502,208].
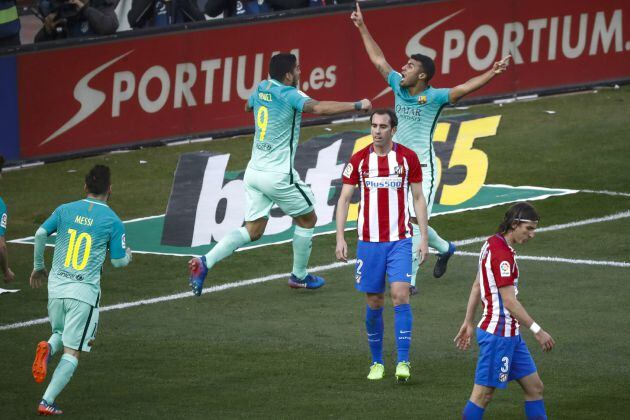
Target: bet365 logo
[460,169]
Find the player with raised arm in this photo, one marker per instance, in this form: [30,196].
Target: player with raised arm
[271,177]
[385,172]
[86,229]
[418,106]
[503,354]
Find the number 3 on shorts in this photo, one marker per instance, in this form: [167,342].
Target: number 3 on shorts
[506,364]
[262,118]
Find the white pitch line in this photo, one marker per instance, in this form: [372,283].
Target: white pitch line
[211,289]
[233,285]
[606,192]
[616,216]
[556,259]
[332,266]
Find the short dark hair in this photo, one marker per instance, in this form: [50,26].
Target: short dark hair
[428,65]
[393,119]
[98,180]
[519,212]
[281,64]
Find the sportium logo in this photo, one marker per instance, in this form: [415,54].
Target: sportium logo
[569,36]
[179,85]
[207,202]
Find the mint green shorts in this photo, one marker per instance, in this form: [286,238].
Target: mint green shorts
[264,189]
[75,321]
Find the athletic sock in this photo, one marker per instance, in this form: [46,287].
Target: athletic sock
[415,245]
[55,343]
[65,369]
[226,246]
[436,242]
[374,326]
[535,410]
[472,411]
[302,246]
[403,320]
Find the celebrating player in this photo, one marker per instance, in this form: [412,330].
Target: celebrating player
[270,177]
[418,107]
[85,230]
[503,354]
[4,255]
[384,171]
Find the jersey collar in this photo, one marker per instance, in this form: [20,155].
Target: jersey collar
[94,201]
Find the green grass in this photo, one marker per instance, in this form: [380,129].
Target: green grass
[266,351]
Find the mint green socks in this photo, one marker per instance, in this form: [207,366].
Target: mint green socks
[55,343]
[226,246]
[302,245]
[65,369]
[435,242]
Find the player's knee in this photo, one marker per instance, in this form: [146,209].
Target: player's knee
[400,296]
[536,390]
[375,301]
[71,352]
[255,234]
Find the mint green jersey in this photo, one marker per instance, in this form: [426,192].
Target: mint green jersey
[85,230]
[277,117]
[3,217]
[417,118]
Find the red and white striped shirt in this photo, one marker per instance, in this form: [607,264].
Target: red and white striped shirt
[497,268]
[384,185]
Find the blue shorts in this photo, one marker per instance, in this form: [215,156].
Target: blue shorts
[375,259]
[502,359]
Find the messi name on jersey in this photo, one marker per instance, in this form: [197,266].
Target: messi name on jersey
[384,182]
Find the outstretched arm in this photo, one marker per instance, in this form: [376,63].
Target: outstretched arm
[332,107]
[477,82]
[371,47]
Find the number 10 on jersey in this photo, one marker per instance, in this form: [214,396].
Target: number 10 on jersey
[74,245]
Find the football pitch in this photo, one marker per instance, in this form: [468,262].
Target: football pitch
[250,347]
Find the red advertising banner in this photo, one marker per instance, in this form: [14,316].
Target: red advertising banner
[136,90]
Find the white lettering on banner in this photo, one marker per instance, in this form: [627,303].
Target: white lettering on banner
[181,79]
[159,73]
[227,79]
[244,92]
[209,66]
[606,34]
[484,31]
[212,193]
[119,95]
[320,179]
[89,98]
[208,229]
[567,50]
[450,51]
[510,45]
[536,25]
[185,78]
[553,39]
[513,36]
